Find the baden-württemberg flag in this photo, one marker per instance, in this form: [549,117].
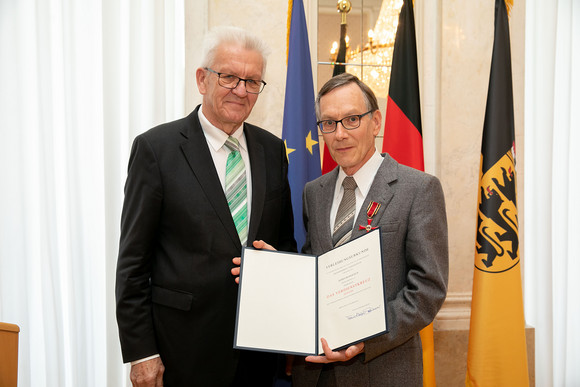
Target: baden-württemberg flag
[497,344]
[299,129]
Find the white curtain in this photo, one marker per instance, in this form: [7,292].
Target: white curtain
[552,188]
[78,80]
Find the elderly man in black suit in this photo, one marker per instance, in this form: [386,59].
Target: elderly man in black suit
[197,190]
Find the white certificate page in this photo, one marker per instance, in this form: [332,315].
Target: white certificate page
[351,302]
[277,302]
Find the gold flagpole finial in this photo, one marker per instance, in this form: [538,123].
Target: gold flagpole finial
[508,5]
[343,7]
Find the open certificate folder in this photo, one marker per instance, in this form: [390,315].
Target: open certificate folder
[287,302]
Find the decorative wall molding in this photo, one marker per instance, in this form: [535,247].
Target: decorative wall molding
[455,312]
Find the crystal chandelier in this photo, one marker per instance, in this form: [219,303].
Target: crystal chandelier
[372,62]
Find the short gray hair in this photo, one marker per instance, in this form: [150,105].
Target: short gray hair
[232,35]
[343,80]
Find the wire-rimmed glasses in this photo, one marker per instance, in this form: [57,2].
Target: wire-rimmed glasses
[253,86]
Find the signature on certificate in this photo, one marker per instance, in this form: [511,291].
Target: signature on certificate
[364,312]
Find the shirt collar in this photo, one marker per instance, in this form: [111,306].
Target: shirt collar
[216,138]
[365,175]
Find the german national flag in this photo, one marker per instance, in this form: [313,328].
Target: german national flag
[403,138]
[328,163]
[497,343]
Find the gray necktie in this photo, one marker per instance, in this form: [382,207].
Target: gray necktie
[345,214]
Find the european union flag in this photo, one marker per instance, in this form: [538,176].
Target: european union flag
[299,126]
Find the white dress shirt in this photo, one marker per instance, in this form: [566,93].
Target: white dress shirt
[216,139]
[364,178]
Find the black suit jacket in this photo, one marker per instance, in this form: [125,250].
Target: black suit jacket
[175,294]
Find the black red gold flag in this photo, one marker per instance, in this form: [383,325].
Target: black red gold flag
[341,54]
[403,138]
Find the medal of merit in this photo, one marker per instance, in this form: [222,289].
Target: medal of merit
[372,210]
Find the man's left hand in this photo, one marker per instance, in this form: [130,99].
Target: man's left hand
[331,356]
[260,245]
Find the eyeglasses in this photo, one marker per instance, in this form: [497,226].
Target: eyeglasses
[350,122]
[229,81]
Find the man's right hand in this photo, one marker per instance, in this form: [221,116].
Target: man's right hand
[148,373]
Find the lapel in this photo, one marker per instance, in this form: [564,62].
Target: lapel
[258,168]
[324,199]
[380,192]
[197,153]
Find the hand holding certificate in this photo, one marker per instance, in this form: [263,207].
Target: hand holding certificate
[331,356]
[286,301]
[238,260]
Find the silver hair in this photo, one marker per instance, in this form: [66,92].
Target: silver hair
[232,35]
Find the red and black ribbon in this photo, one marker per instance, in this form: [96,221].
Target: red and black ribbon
[372,210]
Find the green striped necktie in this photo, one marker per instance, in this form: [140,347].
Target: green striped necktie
[236,188]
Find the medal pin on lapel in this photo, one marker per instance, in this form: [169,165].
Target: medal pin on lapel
[372,210]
